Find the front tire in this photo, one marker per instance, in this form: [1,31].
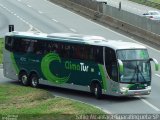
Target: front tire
[34,80]
[96,90]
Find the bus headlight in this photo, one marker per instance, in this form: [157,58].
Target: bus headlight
[124,89]
[148,87]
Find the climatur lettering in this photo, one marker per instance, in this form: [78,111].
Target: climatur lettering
[76,67]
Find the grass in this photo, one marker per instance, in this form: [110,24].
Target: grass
[28,103]
[157,1]
[151,3]
[1,49]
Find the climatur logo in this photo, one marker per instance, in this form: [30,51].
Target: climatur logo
[68,65]
[76,67]
[47,59]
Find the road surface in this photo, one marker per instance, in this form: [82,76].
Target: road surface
[47,17]
[9,17]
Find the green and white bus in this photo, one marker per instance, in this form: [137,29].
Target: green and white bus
[80,62]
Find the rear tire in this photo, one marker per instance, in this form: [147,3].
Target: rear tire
[34,80]
[23,78]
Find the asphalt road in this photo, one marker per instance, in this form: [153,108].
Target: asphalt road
[47,17]
[9,17]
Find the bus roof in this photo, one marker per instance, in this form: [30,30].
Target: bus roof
[78,38]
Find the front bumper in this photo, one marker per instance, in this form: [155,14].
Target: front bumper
[146,91]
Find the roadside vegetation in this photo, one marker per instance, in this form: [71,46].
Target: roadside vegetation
[1,50]
[158,1]
[26,103]
[150,3]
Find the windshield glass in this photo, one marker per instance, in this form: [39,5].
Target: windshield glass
[136,66]
[133,54]
[136,72]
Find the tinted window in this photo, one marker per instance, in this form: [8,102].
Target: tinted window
[111,63]
[65,50]
[39,47]
[8,43]
[82,52]
[21,45]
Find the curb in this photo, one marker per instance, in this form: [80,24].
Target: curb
[106,111]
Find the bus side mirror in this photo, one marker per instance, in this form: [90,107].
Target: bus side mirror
[121,67]
[156,63]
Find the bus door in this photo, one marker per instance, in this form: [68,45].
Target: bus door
[112,69]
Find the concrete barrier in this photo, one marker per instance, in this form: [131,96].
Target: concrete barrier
[92,13]
[106,19]
[148,36]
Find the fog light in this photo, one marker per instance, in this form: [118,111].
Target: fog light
[124,89]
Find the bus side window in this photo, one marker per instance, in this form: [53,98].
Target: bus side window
[9,43]
[26,43]
[39,47]
[99,55]
[50,47]
[17,45]
[30,47]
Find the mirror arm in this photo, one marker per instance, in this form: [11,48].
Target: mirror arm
[155,62]
[121,69]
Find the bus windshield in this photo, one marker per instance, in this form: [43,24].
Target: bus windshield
[136,64]
[133,54]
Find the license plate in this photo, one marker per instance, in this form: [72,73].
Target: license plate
[136,93]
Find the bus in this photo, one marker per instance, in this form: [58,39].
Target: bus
[79,62]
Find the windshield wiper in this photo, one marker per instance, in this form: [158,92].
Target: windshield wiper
[137,71]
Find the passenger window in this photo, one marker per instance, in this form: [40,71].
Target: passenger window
[9,43]
[39,47]
[99,54]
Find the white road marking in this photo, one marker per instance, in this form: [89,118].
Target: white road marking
[29,6]
[73,30]
[157,75]
[30,28]
[20,18]
[8,9]
[40,12]
[149,104]
[55,20]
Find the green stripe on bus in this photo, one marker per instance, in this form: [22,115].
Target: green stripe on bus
[102,72]
[14,63]
[45,67]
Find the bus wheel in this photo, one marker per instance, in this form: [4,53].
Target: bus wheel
[34,80]
[97,91]
[23,77]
